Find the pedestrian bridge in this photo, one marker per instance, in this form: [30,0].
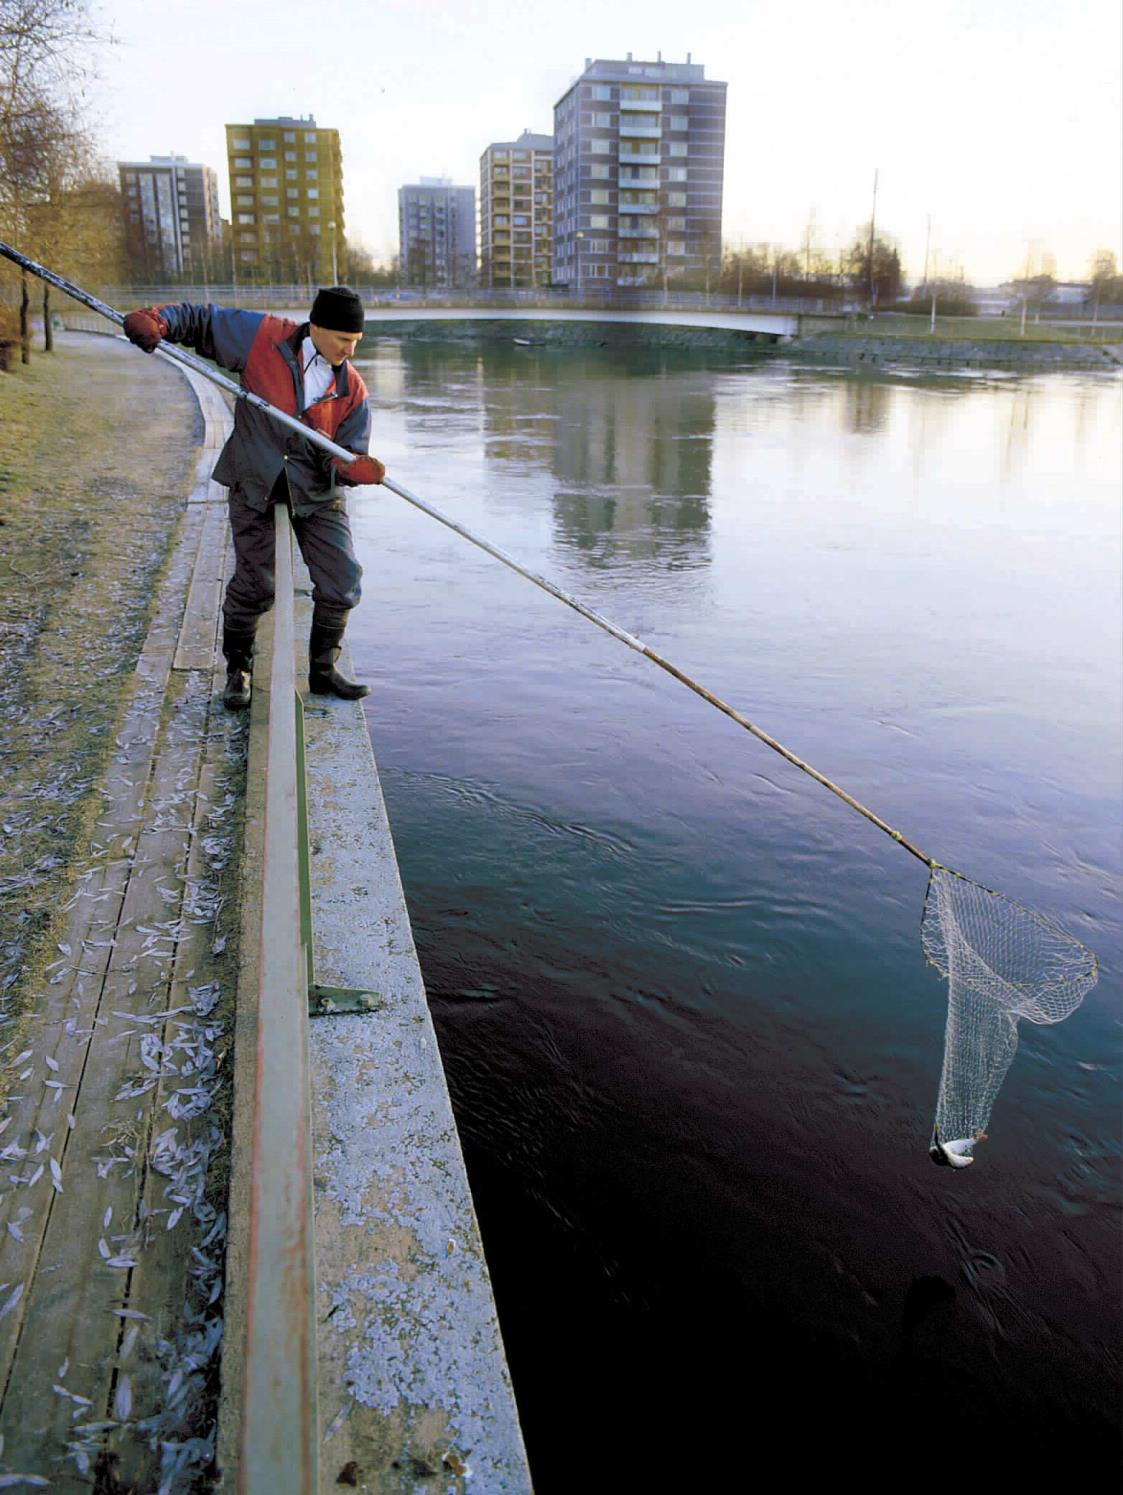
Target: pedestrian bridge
[774,324]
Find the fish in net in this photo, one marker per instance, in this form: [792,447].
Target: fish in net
[1002,963]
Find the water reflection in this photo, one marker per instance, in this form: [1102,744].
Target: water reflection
[868,402]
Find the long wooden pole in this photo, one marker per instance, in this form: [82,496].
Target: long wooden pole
[546,585]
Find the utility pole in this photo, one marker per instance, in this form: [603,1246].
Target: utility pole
[927,242]
[873,219]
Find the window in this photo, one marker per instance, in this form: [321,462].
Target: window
[242,163]
[600,195]
[288,135]
[312,192]
[676,199]
[243,181]
[602,121]
[313,228]
[601,91]
[241,145]
[676,147]
[676,173]
[680,95]
[266,145]
[600,147]
[266,163]
[290,174]
[311,212]
[268,181]
[244,202]
[598,272]
[676,225]
[600,220]
[311,173]
[292,191]
[675,246]
[678,122]
[270,217]
[600,246]
[293,212]
[599,171]
[309,137]
[245,218]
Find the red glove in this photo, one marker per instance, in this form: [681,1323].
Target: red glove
[145,328]
[362,470]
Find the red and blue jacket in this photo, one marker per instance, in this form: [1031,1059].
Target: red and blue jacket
[265,351]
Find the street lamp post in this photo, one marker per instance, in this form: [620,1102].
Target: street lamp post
[334,256]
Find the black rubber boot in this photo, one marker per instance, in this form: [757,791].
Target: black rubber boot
[237,645]
[323,677]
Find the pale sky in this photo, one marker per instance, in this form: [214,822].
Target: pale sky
[998,119]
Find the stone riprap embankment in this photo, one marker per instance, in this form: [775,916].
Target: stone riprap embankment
[947,353]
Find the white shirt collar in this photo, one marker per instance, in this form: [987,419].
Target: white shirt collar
[317,372]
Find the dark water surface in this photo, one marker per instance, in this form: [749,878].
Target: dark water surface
[692,1040]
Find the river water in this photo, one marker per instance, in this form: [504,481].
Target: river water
[691,1037]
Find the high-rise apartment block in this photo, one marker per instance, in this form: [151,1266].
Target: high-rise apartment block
[639,151]
[517,211]
[172,225]
[286,200]
[437,233]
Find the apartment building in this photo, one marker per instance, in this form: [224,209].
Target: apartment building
[286,200]
[517,211]
[437,233]
[172,226]
[639,154]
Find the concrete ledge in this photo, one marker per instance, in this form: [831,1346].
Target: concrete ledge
[413,1379]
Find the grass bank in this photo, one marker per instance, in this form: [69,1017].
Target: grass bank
[96,451]
[977,329]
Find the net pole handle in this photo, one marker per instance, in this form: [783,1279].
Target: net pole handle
[656,658]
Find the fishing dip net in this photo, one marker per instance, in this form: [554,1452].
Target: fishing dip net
[1002,963]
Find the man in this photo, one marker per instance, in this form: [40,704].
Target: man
[303,369]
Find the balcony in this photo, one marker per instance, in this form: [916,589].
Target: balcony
[649,104]
[644,258]
[637,207]
[638,233]
[648,156]
[650,130]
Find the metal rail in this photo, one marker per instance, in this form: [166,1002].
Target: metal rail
[278,1439]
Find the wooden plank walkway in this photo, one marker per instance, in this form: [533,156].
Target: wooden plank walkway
[114,1143]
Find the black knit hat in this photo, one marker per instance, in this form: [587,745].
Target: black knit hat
[338,309]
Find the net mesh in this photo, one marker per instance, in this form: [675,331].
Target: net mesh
[1002,962]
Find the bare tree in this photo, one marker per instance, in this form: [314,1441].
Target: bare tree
[44,54]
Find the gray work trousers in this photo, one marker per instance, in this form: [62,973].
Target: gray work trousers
[324,537]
